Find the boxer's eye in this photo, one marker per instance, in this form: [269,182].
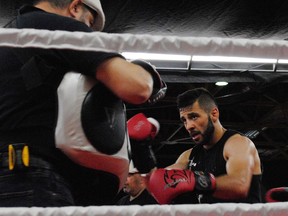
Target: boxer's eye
[92,20]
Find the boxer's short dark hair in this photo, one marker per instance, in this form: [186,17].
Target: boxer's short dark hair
[205,99]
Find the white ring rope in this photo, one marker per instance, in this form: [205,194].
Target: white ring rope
[99,41]
[235,209]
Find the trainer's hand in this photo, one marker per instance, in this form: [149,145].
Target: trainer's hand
[141,131]
[279,194]
[165,184]
[159,86]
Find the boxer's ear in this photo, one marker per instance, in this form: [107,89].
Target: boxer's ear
[74,8]
[214,114]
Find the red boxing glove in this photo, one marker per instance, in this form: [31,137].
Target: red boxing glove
[141,131]
[279,194]
[142,128]
[155,127]
[165,185]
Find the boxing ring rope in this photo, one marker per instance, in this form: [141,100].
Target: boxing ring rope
[99,41]
[228,209]
[153,44]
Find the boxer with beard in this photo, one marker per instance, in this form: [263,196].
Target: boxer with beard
[222,166]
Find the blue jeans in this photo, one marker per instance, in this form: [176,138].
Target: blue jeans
[33,187]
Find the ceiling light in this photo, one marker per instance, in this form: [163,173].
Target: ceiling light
[172,62]
[221,83]
[232,59]
[154,56]
[171,57]
[283,61]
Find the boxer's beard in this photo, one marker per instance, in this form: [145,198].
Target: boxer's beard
[208,133]
[83,17]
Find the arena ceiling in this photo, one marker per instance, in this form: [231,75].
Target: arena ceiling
[254,102]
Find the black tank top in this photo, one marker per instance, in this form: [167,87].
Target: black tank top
[212,161]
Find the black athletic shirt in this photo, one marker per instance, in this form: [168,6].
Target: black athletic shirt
[212,161]
[29,79]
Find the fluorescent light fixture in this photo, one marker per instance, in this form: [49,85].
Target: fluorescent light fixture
[283,61]
[199,62]
[232,59]
[221,83]
[154,56]
[171,57]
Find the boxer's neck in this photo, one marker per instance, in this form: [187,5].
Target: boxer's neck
[46,6]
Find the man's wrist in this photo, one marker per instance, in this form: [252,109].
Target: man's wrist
[204,182]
